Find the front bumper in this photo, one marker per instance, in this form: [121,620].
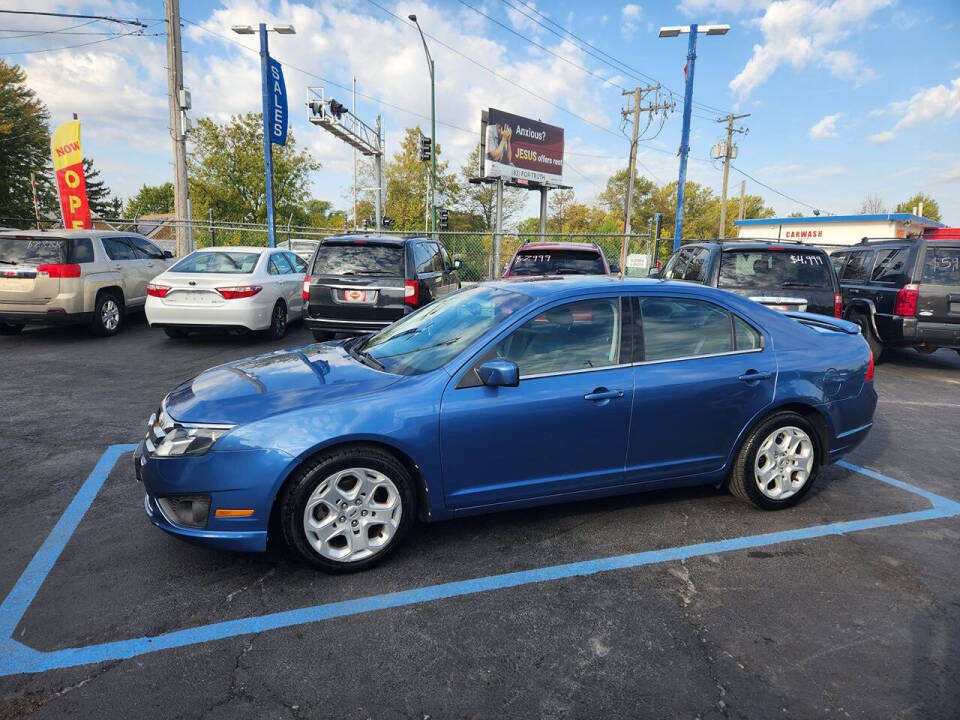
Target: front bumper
[242,479]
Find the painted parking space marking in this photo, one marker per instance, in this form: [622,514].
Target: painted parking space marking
[17,658]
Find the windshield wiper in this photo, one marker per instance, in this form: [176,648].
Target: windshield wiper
[362,355]
[570,271]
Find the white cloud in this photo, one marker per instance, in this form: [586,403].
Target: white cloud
[825,128]
[882,137]
[523,20]
[630,16]
[801,33]
[694,8]
[940,102]
[951,175]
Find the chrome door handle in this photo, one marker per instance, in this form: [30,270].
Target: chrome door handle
[754,376]
[603,394]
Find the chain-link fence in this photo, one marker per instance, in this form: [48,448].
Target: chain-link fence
[476,251]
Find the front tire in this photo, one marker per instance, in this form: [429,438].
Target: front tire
[777,463]
[347,509]
[107,314]
[11,328]
[278,322]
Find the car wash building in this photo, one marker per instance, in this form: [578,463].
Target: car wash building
[835,230]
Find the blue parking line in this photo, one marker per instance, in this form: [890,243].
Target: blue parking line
[18,658]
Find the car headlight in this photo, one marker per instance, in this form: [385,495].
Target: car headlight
[172,439]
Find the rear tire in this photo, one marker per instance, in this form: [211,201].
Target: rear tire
[323,335]
[866,329]
[108,314]
[777,463]
[175,333]
[358,502]
[11,328]
[278,322]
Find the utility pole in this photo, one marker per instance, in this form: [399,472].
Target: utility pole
[637,94]
[177,100]
[728,155]
[354,111]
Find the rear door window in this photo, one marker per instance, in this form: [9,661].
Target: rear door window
[837,259]
[425,257]
[764,268]
[675,328]
[119,249]
[359,259]
[676,265]
[296,262]
[696,269]
[557,262]
[146,248]
[942,266]
[278,265]
[859,266]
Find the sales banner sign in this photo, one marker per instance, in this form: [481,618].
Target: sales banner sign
[277,121]
[68,166]
[518,148]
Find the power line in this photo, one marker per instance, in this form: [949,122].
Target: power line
[606,81]
[502,77]
[774,190]
[85,44]
[123,21]
[34,33]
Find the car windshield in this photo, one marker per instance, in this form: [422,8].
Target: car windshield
[775,269]
[219,261]
[942,266]
[30,251]
[434,335]
[558,262]
[359,259]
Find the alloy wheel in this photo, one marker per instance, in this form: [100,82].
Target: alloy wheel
[784,462]
[352,514]
[110,314]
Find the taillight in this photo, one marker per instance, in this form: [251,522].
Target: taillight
[60,270]
[906,302]
[157,290]
[237,292]
[869,376]
[411,292]
[306,287]
[837,305]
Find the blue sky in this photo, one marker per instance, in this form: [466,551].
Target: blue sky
[846,98]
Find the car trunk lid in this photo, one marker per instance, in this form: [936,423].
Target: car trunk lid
[31,270]
[358,280]
[783,279]
[938,294]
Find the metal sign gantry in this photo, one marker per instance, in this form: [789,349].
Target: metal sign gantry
[340,122]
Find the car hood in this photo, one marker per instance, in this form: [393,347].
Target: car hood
[254,388]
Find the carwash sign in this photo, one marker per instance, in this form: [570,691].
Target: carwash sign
[278,116]
[68,166]
[518,148]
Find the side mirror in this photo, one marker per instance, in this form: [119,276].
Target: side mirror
[167,254]
[654,273]
[614,268]
[499,373]
[457,264]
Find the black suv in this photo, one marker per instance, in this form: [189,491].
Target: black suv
[358,284]
[783,276]
[903,292]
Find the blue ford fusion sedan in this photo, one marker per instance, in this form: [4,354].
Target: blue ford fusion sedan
[505,395]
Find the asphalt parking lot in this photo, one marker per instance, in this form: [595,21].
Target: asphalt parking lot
[864,624]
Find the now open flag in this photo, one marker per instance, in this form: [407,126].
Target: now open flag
[71,185]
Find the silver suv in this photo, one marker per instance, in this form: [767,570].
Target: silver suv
[75,276]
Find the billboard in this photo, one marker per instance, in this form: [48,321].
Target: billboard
[517,148]
[68,166]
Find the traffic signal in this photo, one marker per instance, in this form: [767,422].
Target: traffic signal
[386,221]
[316,107]
[426,148]
[443,218]
[337,109]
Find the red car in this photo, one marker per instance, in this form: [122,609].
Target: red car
[558,259]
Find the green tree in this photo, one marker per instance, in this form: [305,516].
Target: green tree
[480,199]
[103,203]
[795,214]
[24,147]
[931,209]
[151,200]
[227,172]
[406,183]
[612,200]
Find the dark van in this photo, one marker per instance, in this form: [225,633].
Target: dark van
[783,276]
[903,292]
[358,284]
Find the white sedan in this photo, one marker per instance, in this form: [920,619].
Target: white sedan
[238,288]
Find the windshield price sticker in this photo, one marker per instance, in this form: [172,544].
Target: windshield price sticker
[806,259]
[534,258]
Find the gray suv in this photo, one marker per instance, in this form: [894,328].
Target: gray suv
[61,277]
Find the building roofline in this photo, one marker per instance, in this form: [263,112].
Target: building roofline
[885,217]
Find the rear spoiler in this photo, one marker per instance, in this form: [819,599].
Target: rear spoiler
[823,321]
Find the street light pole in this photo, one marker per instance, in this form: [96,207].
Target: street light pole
[674,31]
[433,128]
[267,150]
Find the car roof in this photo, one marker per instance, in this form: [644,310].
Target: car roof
[559,246]
[562,285]
[751,244]
[238,248]
[374,239]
